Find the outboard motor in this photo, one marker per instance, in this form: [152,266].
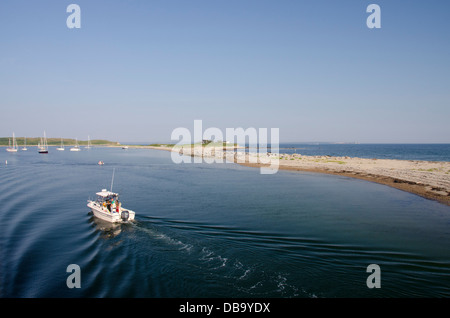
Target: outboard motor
[125,215]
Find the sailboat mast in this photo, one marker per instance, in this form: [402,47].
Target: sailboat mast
[14,143]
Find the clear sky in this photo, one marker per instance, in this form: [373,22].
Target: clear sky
[136,70]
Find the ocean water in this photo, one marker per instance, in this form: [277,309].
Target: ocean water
[428,152]
[211,230]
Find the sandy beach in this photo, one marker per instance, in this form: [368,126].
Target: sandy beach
[425,178]
[428,179]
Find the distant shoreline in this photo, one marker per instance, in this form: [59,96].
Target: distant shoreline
[34,141]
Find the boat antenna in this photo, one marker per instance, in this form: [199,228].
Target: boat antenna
[112,181]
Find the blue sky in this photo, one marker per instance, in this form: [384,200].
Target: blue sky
[136,70]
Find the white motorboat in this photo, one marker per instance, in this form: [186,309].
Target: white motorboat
[108,207]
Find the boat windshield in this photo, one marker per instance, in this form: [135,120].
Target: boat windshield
[102,198]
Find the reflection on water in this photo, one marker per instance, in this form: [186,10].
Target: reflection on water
[107,229]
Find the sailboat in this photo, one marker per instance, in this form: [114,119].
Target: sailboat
[62,146]
[76,147]
[89,144]
[12,148]
[25,145]
[43,147]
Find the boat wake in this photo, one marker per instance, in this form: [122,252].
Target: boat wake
[217,261]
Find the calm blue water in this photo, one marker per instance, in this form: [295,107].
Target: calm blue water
[428,152]
[211,230]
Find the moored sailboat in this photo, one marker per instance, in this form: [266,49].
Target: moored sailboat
[61,148]
[89,143]
[25,145]
[13,147]
[76,147]
[42,146]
